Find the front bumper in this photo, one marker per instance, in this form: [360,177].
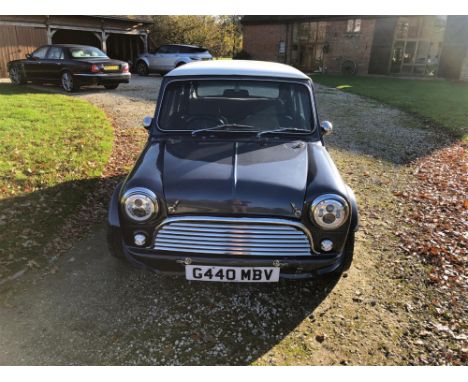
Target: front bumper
[174,262]
[103,78]
[292,267]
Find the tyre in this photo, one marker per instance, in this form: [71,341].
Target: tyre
[111,86]
[68,82]
[16,75]
[142,69]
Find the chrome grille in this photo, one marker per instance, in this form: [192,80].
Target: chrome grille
[233,236]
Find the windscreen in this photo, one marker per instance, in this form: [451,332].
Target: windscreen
[258,105]
[87,52]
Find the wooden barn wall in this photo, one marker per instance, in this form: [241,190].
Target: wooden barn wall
[16,41]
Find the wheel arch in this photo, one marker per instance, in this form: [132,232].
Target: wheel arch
[354,210]
[142,59]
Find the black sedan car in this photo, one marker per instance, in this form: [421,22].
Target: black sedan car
[71,66]
[235,183]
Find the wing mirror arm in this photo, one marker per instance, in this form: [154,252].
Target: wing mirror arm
[326,127]
[147,122]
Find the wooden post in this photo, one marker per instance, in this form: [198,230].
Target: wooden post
[50,34]
[144,38]
[131,49]
[104,37]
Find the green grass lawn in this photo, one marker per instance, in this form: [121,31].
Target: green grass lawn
[52,147]
[445,103]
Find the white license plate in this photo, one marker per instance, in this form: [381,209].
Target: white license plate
[232,274]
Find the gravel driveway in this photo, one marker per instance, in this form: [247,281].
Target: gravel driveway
[129,103]
[97,310]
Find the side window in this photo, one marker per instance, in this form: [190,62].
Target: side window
[40,53]
[55,53]
[186,49]
[163,49]
[173,49]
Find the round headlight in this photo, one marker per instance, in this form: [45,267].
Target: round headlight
[329,211]
[140,204]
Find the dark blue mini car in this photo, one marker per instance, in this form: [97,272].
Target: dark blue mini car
[234,183]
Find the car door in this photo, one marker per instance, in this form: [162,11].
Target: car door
[171,57]
[53,64]
[34,62]
[161,60]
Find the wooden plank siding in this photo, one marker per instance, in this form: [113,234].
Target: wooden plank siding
[16,41]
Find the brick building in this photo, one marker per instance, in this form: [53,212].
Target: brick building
[398,45]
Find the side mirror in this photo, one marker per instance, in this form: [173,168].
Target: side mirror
[147,122]
[28,56]
[326,127]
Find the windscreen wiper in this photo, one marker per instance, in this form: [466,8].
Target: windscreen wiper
[222,127]
[285,130]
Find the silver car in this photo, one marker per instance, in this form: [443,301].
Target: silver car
[168,57]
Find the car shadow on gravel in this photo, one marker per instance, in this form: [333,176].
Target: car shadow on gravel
[88,308]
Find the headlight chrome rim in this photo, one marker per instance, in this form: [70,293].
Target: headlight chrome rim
[337,223]
[145,193]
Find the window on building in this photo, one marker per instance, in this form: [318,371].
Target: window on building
[307,45]
[282,48]
[354,26]
[417,45]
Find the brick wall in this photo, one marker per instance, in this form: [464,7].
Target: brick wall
[261,41]
[352,46]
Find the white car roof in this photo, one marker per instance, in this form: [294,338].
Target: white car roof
[237,68]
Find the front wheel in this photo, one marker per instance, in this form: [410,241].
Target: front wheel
[111,86]
[68,82]
[17,76]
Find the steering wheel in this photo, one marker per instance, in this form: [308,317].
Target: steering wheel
[218,120]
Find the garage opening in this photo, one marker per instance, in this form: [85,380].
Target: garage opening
[65,36]
[124,47]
